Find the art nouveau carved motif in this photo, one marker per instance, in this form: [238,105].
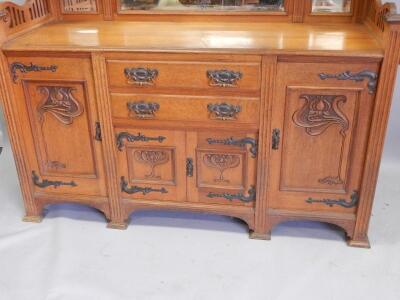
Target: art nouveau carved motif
[340,202]
[28,68]
[4,16]
[372,78]
[135,138]
[59,102]
[239,196]
[46,183]
[318,114]
[237,142]
[221,162]
[153,158]
[56,165]
[137,189]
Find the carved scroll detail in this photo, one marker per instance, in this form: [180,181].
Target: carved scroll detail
[222,162]
[60,102]
[318,114]
[153,159]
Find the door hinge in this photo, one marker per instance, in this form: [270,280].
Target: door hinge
[98,132]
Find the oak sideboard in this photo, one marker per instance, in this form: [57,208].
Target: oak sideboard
[264,110]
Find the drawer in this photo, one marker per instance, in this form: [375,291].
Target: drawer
[185,108]
[214,76]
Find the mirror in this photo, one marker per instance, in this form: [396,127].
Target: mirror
[331,6]
[79,6]
[203,5]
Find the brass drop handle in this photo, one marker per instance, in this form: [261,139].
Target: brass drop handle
[224,78]
[223,111]
[143,110]
[141,76]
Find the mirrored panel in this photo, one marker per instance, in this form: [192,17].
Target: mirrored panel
[331,6]
[203,5]
[79,6]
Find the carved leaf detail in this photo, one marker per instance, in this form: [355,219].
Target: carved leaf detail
[60,102]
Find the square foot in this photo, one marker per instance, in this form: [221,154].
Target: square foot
[260,236]
[359,243]
[32,219]
[117,225]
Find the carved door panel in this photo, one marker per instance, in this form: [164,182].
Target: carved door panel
[151,164]
[221,167]
[59,118]
[319,138]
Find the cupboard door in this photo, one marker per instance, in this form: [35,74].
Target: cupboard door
[59,117]
[319,137]
[151,164]
[222,167]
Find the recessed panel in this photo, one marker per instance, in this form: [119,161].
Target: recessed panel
[221,169]
[61,126]
[151,165]
[318,132]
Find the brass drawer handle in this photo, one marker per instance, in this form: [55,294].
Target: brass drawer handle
[143,110]
[224,78]
[223,111]
[141,76]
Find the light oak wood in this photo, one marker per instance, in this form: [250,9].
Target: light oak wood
[239,116]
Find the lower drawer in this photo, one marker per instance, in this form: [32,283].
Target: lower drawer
[185,108]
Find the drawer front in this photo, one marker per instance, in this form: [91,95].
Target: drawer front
[185,108]
[151,164]
[217,77]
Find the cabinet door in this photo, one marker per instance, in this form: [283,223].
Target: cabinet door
[58,112]
[320,124]
[151,164]
[222,167]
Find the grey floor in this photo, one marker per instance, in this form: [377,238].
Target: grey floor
[72,256]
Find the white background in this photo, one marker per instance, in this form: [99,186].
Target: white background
[181,256]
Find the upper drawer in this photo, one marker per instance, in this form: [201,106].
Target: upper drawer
[185,76]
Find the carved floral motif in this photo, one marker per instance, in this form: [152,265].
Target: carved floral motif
[318,114]
[153,159]
[60,102]
[222,162]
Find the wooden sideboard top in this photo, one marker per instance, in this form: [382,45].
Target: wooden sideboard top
[262,38]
